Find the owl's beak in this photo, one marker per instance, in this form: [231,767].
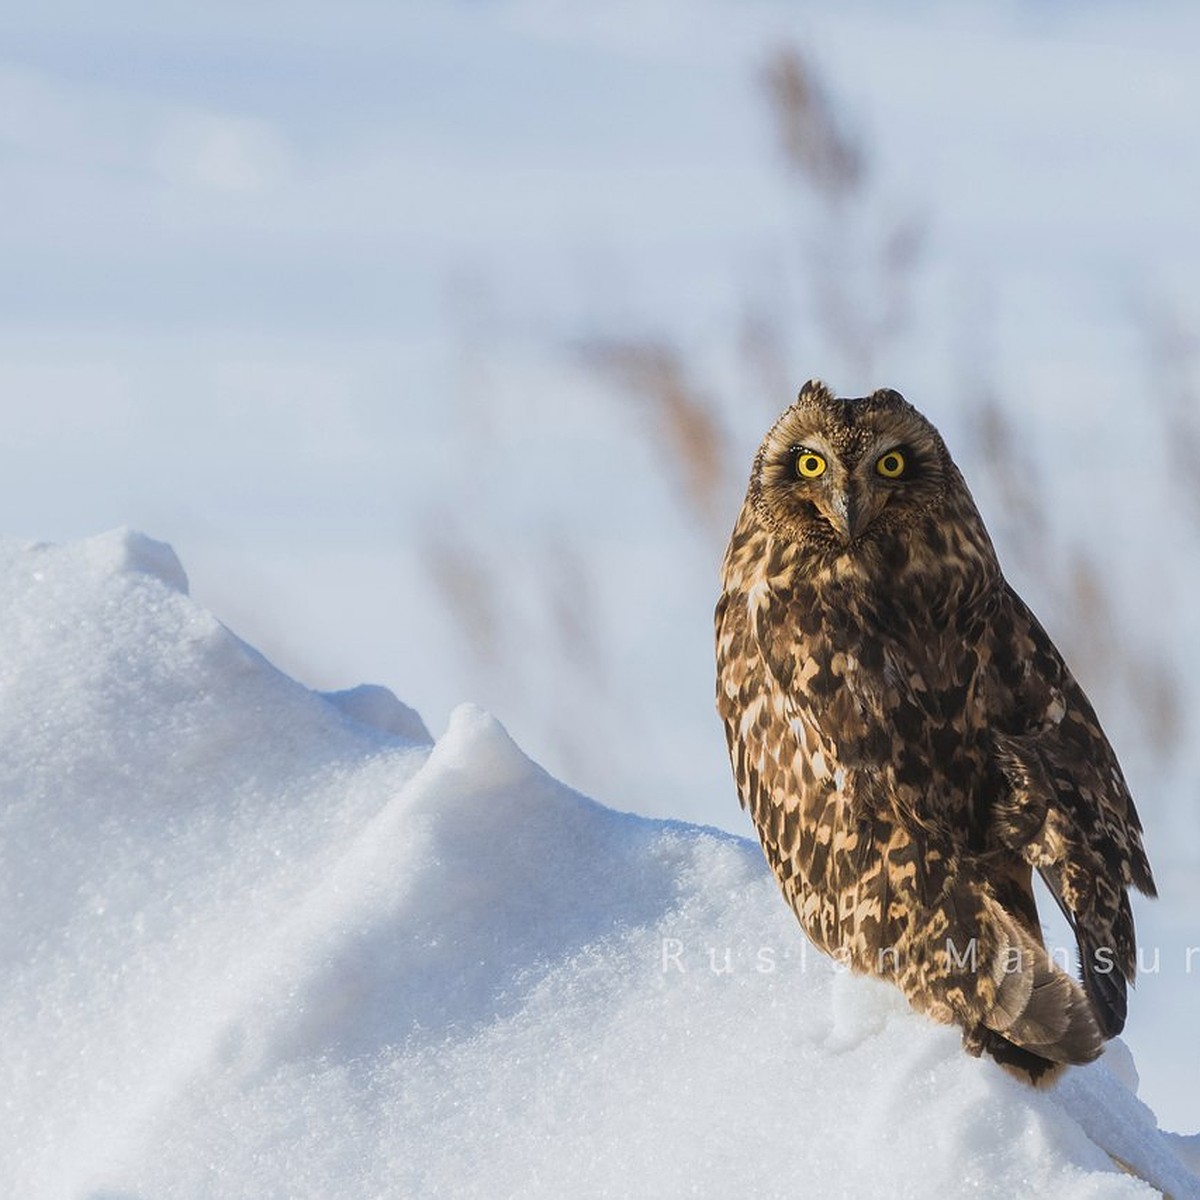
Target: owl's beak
[848,514]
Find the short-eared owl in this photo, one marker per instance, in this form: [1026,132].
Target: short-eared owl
[911,745]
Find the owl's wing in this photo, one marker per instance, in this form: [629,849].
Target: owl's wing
[1068,811]
[748,701]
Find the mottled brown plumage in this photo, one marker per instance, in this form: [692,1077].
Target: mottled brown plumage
[911,745]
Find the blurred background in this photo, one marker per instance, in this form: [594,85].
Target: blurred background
[437,339]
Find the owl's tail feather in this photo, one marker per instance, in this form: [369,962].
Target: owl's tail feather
[1022,1010]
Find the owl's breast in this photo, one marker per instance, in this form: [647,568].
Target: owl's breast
[902,704]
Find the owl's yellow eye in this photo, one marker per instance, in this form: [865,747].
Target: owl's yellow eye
[809,465]
[890,465]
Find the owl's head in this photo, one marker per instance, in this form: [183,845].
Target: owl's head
[842,475]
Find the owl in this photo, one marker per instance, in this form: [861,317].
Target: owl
[911,745]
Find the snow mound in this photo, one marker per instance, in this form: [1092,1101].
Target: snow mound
[264,942]
[376,707]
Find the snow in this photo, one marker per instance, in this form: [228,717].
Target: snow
[263,941]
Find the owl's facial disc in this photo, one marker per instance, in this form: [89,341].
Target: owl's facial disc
[823,488]
[835,475]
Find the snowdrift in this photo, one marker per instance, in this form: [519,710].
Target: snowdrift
[259,941]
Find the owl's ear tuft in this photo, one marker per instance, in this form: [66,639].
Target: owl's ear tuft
[814,389]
